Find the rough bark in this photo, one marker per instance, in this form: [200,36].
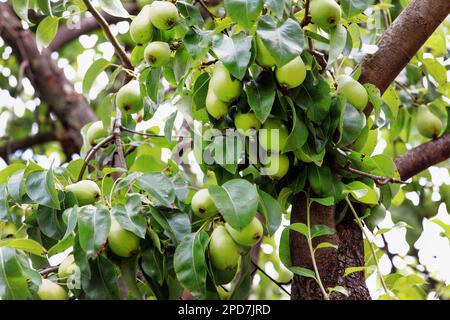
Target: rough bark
[48,80]
[395,49]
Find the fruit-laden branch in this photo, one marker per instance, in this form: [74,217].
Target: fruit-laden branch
[68,33]
[48,80]
[22,144]
[424,156]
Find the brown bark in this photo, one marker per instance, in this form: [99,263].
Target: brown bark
[395,49]
[48,80]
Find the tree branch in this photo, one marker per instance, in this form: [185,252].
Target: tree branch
[26,143]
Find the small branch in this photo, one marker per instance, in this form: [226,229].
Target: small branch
[380,181]
[92,152]
[307,19]
[390,255]
[205,7]
[40,138]
[320,57]
[102,22]
[208,63]
[119,156]
[151,135]
[270,278]
[46,271]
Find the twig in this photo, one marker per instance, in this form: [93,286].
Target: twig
[307,18]
[102,22]
[270,278]
[119,156]
[381,181]
[208,63]
[390,255]
[151,135]
[92,152]
[46,271]
[205,7]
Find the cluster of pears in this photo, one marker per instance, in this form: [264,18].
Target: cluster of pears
[226,243]
[161,15]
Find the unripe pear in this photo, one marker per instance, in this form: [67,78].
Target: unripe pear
[203,205]
[225,87]
[249,235]
[223,251]
[354,91]
[263,56]
[86,191]
[427,123]
[292,74]
[247,123]
[48,290]
[8,231]
[278,166]
[268,133]
[67,267]
[141,28]
[157,54]
[128,98]
[163,14]
[96,133]
[224,277]
[215,107]
[325,13]
[122,242]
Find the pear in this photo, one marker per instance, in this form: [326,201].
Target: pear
[9,230]
[427,123]
[48,290]
[268,133]
[141,28]
[163,14]
[122,242]
[263,56]
[96,133]
[223,251]
[325,13]
[67,267]
[292,74]
[128,98]
[157,54]
[86,191]
[203,205]
[354,91]
[278,166]
[224,277]
[215,107]
[225,87]
[250,235]
[247,123]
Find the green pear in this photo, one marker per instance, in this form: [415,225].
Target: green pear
[67,268]
[215,107]
[225,87]
[96,133]
[157,54]
[141,28]
[250,235]
[128,98]
[268,132]
[278,166]
[203,205]
[48,290]
[247,123]
[427,123]
[325,13]
[224,276]
[292,74]
[263,56]
[122,242]
[86,192]
[8,231]
[354,91]
[223,251]
[163,14]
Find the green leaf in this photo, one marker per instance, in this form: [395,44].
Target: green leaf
[284,41]
[237,200]
[362,192]
[235,52]
[351,126]
[93,228]
[244,12]
[21,9]
[158,186]
[190,264]
[391,98]
[102,285]
[153,264]
[45,6]
[201,90]
[114,8]
[129,216]
[338,38]
[16,185]
[351,8]
[4,213]
[339,289]
[41,189]
[128,270]
[436,70]
[242,285]
[271,210]
[304,272]
[46,31]
[168,126]
[324,245]
[285,248]
[191,14]
[13,285]
[320,179]
[328,201]
[105,109]
[97,67]
[278,7]
[300,228]
[353,269]
[261,94]
[299,134]
[319,230]
[27,245]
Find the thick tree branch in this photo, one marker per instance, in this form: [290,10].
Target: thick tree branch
[37,139]
[422,157]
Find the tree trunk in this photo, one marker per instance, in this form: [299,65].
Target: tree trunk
[395,49]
